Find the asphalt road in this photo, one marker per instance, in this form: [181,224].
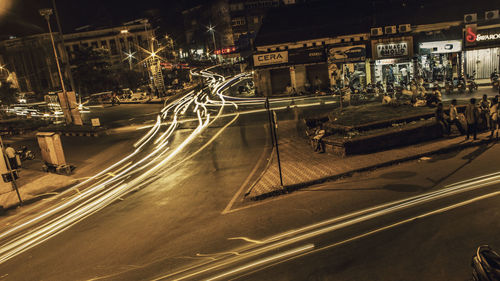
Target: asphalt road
[178,225]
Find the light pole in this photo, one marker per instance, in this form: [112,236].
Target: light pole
[46,14]
[211,29]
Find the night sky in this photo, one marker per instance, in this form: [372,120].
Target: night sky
[21,17]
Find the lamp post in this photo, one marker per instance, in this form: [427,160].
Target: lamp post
[211,29]
[46,14]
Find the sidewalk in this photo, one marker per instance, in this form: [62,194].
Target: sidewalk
[87,157]
[302,167]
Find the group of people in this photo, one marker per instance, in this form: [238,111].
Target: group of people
[482,116]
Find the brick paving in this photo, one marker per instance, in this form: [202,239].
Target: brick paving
[302,166]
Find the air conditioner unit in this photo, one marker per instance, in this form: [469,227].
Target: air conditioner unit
[403,28]
[390,29]
[376,31]
[470,18]
[491,15]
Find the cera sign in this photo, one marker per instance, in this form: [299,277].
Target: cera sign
[473,36]
[270,58]
[392,50]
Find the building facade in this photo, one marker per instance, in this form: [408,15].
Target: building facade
[388,53]
[31,59]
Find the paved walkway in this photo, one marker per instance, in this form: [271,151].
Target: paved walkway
[302,167]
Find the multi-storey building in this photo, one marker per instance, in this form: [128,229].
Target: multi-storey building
[32,60]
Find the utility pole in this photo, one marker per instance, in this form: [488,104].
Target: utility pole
[46,14]
[65,53]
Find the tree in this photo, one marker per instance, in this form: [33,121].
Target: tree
[126,78]
[7,93]
[92,71]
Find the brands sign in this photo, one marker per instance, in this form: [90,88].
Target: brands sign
[347,54]
[392,50]
[475,36]
[440,47]
[270,58]
[311,55]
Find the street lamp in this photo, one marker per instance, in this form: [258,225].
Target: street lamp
[46,13]
[211,29]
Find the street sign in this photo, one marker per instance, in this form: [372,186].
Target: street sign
[95,122]
[7,177]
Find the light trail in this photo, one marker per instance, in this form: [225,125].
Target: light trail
[152,153]
[302,234]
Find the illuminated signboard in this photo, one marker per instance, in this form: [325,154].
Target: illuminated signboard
[440,47]
[475,36]
[225,51]
[270,58]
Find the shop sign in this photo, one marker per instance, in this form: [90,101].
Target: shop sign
[270,58]
[390,61]
[440,47]
[391,50]
[225,50]
[474,36]
[311,55]
[347,54]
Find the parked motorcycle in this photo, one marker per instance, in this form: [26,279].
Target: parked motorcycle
[448,87]
[485,264]
[494,80]
[25,154]
[472,86]
[461,85]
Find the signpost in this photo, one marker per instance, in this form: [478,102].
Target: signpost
[273,125]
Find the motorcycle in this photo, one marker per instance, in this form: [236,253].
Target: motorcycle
[485,264]
[494,80]
[25,154]
[472,82]
[448,87]
[461,85]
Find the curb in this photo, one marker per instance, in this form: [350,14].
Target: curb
[294,187]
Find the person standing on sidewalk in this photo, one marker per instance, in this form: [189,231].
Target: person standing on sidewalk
[11,156]
[441,118]
[494,116]
[454,117]
[472,116]
[484,110]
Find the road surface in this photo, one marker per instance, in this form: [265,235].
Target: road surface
[174,223]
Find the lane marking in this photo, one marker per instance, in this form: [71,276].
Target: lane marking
[263,154]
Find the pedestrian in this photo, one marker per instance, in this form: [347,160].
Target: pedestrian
[317,84]
[472,117]
[484,110]
[494,117]
[441,118]
[318,140]
[454,117]
[11,156]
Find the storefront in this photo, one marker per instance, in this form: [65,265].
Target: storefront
[482,53]
[439,60]
[392,60]
[301,69]
[347,66]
